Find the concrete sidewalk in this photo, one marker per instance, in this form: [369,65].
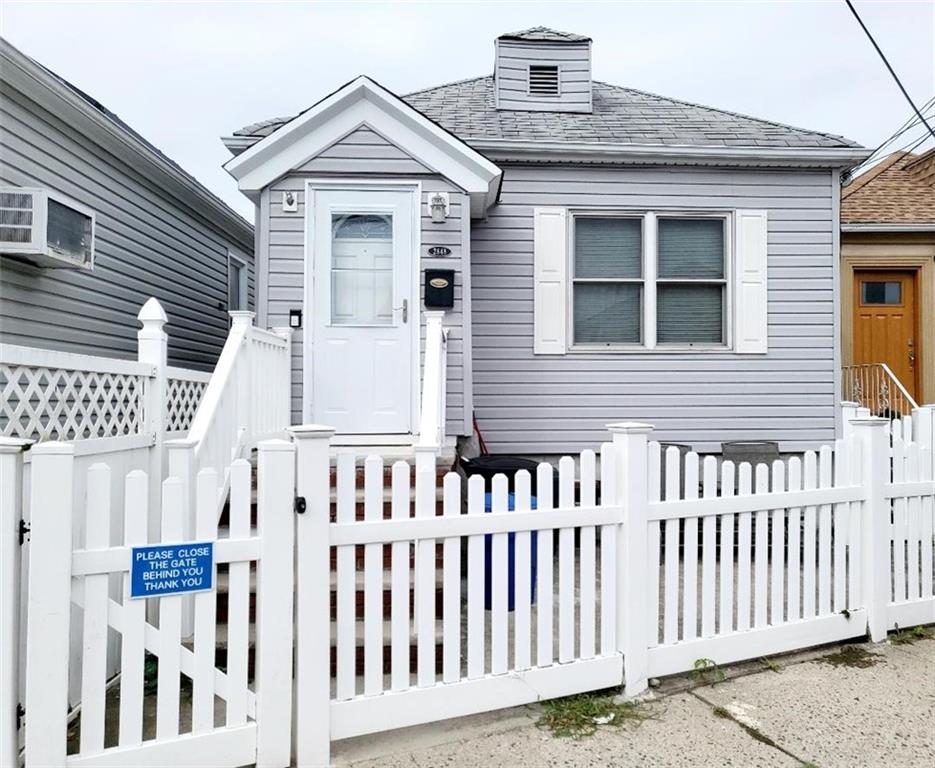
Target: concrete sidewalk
[872,706]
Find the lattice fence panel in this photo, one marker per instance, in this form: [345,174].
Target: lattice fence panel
[59,404]
[183,399]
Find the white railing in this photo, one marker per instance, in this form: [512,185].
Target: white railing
[874,386]
[432,433]
[184,390]
[246,400]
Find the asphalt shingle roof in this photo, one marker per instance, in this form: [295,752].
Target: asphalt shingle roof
[898,190]
[545,34]
[620,116]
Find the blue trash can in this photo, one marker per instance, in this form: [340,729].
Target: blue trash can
[511,559]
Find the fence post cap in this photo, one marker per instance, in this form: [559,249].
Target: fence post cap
[433,315]
[241,316]
[53,448]
[275,445]
[152,313]
[180,442]
[305,431]
[869,421]
[14,444]
[850,404]
[630,428]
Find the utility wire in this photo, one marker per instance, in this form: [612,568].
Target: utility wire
[905,128]
[890,68]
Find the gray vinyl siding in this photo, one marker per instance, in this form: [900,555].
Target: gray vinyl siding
[146,244]
[363,151]
[511,75]
[283,263]
[552,404]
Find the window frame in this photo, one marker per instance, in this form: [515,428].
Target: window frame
[244,288]
[650,280]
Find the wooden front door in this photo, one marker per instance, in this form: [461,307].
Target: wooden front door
[885,323]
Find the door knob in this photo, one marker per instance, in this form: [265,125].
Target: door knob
[405,309]
[912,354]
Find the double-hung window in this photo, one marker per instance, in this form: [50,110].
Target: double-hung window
[608,280]
[648,280]
[691,280]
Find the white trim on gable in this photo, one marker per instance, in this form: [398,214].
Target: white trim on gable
[364,102]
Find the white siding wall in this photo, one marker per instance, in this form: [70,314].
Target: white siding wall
[146,245]
[551,404]
[360,154]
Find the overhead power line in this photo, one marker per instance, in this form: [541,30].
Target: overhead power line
[890,68]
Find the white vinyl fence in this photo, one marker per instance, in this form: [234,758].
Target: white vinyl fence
[619,566]
[132,415]
[635,563]
[254,723]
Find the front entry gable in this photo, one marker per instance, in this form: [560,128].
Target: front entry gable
[363,102]
[364,151]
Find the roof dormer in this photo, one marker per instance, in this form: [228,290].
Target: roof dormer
[543,70]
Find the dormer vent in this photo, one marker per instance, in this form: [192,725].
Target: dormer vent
[543,70]
[543,80]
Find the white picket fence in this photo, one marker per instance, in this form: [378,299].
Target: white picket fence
[253,725]
[632,562]
[677,559]
[133,415]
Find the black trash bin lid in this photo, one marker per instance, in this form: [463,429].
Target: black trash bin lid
[498,462]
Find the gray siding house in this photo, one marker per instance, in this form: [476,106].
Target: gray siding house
[616,256]
[94,220]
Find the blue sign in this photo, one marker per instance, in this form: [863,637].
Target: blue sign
[171,569]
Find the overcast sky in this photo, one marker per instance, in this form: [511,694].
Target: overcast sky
[185,73]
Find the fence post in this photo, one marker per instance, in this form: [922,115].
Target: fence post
[11,512]
[848,412]
[49,603]
[923,430]
[275,586]
[630,461]
[180,463]
[313,596]
[246,387]
[284,416]
[152,348]
[875,523]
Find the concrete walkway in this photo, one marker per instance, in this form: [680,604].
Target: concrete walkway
[869,707]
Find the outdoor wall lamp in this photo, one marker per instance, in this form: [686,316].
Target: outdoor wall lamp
[439,206]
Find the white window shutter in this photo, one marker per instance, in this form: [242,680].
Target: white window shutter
[750,305]
[550,243]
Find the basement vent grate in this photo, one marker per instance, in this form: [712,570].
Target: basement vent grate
[543,80]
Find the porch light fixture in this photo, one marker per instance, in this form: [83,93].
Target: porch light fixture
[438,207]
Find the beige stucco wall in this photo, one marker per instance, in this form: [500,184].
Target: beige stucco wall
[860,250]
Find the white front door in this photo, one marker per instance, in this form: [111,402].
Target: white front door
[362,309]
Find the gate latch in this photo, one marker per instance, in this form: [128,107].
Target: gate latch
[299,505]
[23,531]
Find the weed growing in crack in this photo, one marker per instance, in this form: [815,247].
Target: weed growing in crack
[577,717]
[707,672]
[852,656]
[909,635]
[771,665]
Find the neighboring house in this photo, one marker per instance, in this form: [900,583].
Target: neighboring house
[888,270]
[616,255]
[94,220]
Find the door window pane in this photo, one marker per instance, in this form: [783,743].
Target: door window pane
[608,247]
[691,248]
[362,269]
[689,314]
[607,313]
[881,292]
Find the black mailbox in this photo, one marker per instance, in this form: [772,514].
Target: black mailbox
[439,288]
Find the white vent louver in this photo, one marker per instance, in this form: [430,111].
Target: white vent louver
[45,228]
[543,80]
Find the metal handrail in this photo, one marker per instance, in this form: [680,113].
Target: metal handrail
[876,387]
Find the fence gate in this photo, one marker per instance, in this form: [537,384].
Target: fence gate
[414,638]
[208,699]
